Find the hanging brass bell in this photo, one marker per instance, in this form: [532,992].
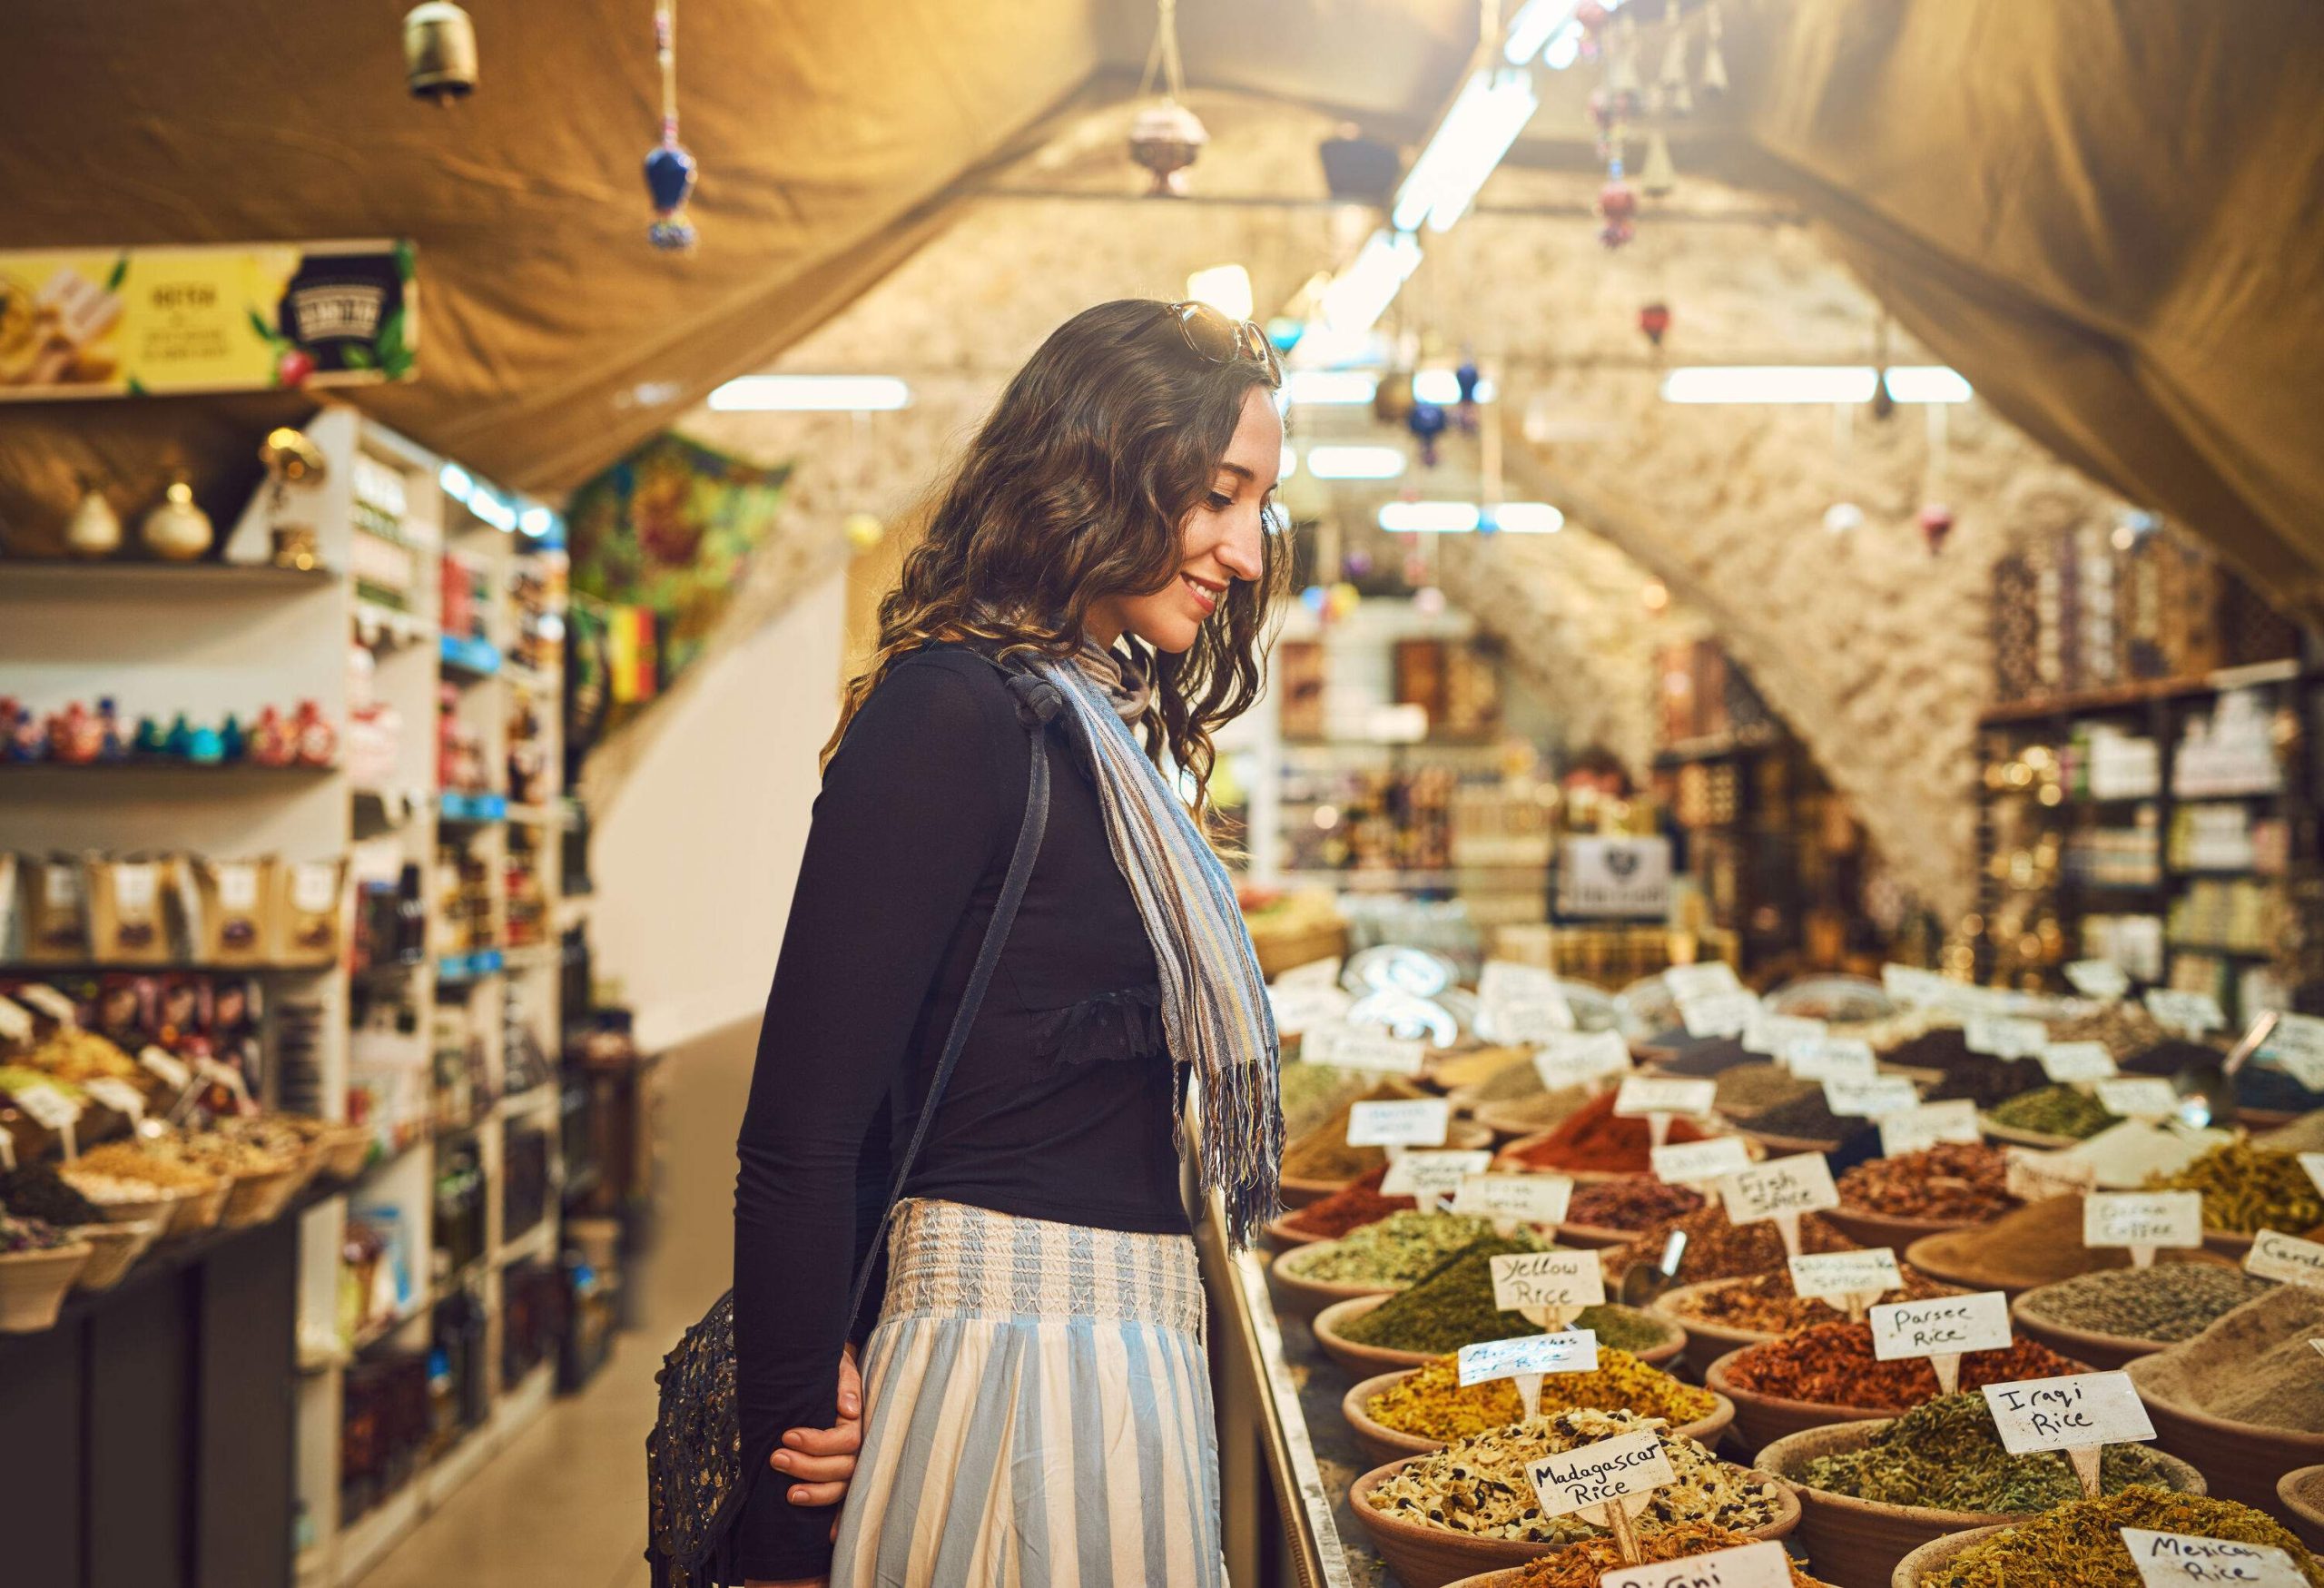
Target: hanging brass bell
[439,51]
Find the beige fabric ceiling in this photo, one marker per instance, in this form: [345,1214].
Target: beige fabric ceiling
[2105,215]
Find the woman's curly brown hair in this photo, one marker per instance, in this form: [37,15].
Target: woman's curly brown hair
[1076,488]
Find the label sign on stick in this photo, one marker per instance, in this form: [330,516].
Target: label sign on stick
[2169,1560]
[1844,1279]
[1704,980]
[1525,1024]
[2297,1047]
[1946,1326]
[2034,1176]
[1406,1122]
[2313,1162]
[2002,1037]
[2138,1097]
[1718,1014]
[1525,1198]
[1595,1474]
[1775,1034]
[172,1070]
[1509,981]
[1323,973]
[1868,1096]
[1910,1130]
[1911,984]
[2276,1255]
[1579,1058]
[1574,1351]
[1346,1046]
[2098,978]
[1656,1094]
[1430,1173]
[1747,1565]
[1548,1281]
[49,1108]
[2194,1012]
[1692,1163]
[117,1095]
[2077,1411]
[15,1022]
[1801,1183]
[2066,1062]
[2142,1222]
[1307,1009]
[1832,1058]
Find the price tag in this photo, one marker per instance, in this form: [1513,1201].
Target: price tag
[1509,980]
[133,884]
[1745,1566]
[1324,972]
[1945,1326]
[1707,980]
[2182,1559]
[1521,1198]
[1776,1035]
[1525,1024]
[15,1022]
[1643,1095]
[1428,1175]
[1574,1351]
[1832,1058]
[172,1071]
[1405,1122]
[2034,1176]
[1841,1277]
[1718,1014]
[2313,1162]
[2003,1037]
[2296,1046]
[1580,1059]
[314,886]
[1911,984]
[1910,1130]
[225,1075]
[2193,1012]
[1697,1163]
[2097,978]
[2066,1062]
[1868,1096]
[1608,1470]
[117,1095]
[2077,1411]
[1346,1047]
[2142,1222]
[1565,1282]
[1781,1190]
[49,1004]
[48,1108]
[2138,1097]
[2276,1255]
[237,883]
[1307,1011]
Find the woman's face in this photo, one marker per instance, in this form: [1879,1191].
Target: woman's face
[1221,539]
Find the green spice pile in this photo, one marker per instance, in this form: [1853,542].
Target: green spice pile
[1324,1154]
[1748,1089]
[1478,1485]
[1396,1250]
[1538,1109]
[1580,1566]
[1767,1304]
[2082,1542]
[1311,1091]
[38,1191]
[1453,1071]
[2055,1111]
[1964,1182]
[2253,1364]
[1430,1402]
[1717,1249]
[1832,1364]
[2248,1189]
[1452,1306]
[1629,1204]
[1947,1455]
[2170,1303]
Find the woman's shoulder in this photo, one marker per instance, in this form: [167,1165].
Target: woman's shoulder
[947,691]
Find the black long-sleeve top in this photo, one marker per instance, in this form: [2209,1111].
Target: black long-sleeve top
[1060,1107]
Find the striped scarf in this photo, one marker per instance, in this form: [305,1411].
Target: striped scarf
[1214,1009]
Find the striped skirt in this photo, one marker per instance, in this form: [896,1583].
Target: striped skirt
[1038,1412]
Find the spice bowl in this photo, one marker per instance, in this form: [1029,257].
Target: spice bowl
[1594,1237]
[1762,1419]
[1361,1361]
[198,1211]
[1465,1134]
[1382,1443]
[2228,1243]
[1921,1564]
[2100,1350]
[1853,1540]
[1867,1229]
[1422,1556]
[2241,1461]
[1707,1341]
[32,1284]
[2301,1491]
[1281,1236]
[2015,1136]
[1296,1296]
[113,1248]
[344,1150]
[259,1196]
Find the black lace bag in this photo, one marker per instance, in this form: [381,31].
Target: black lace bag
[696,1478]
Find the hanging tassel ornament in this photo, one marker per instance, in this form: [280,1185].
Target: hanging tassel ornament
[1659,176]
[1673,96]
[1616,207]
[669,168]
[1714,55]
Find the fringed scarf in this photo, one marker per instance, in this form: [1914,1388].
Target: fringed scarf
[1214,1005]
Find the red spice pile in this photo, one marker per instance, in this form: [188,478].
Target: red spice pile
[1629,1204]
[1832,1364]
[1353,1206]
[1966,1180]
[1717,1249]
[1594,1139]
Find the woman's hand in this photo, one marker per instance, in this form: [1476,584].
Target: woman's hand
[820,1461]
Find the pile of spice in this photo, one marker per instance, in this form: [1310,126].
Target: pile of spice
[2055,1111]
[1595,1139]
[1538,1109]
[2124,1156]
[1311,1091]
[28,1234]
[1324,1154]
[1768,1305]
[1717,1249]
[1962,1181]
[2248,1189]
[1478,1485]
[2305,1134]
[1396,1250]
[1351,1207]
[2253,1364]
[2081,1542]
[38,1191]
[1453,1071]
[1580,1566]
[219,1153]
[1452,1306]
[1749,1090]
[1832,1364]
[1506,1086]
[121,1160]
[1705,1056]
[1847,1138]
[2128,1029]
[1629,1204]
[1430,1402]
[2169,1303]
[107,1189]
[1947,1455]
[2038,1244]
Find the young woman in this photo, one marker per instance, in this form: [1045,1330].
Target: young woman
[1034,1403]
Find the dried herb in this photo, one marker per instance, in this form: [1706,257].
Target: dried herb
[1580,1565]
[2038,1244]
[1430,1402]
[1351,1207]
[28,1235]
[38,1191]
[1768,1305]
[1455,1071]
[1452,1306]
[2055,1111]
[1750,1090]
[1629,1204]
[2081,1542]
[1960,1180]
[1947,1455]
[1541,1110]
[1717,1249]
[1396,1250]
[2248,1188]
[2170,1302]
[1832,1364]
[1324,1154]
[1595,1139]
[1311,1091]
[2253,1364]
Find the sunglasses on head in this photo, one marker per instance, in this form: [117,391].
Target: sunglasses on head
[1213,336]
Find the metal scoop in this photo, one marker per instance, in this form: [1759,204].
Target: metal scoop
[2207,1089]
[1642,1281]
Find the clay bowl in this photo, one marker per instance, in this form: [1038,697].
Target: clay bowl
[198,1212]
[1299,1193]
[2228,1243]
[1934,1554]
[2100,1351]
[1785,1146]
[1296,1297]
[1386,1443]
[2302,1494]
[1937,1268]
[1594,1237]
[1762,1419]
[1362,1361]
[2241,1461]
[1422,1556]
[1861,1540]
[1280,1237]
[1889,1229]
[113,1247]
[2017,1137]
[1707,1342]
[1505,1122]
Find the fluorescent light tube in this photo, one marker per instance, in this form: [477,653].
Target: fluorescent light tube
[1927,383]
[1357,297]
[1321,387]
[811,394]
[1492,108]
[1533,26]
[1225,288]
[1442,387]
[1769,383]
[1428,517]
[1355,462]
[1528,519]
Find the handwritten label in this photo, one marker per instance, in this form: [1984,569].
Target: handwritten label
[15,1022]
[1308,1010]
[1593,1474]
[2074,1412]
[1433,1174]
[1509,979]
[1579,1058]
[1520,1003]
[1346,1047]
[2276,1255]
[1654,1094]
[1323,973]
[1405,1122]
[1946,1326]
[1704,980]
[1693,1162]
[2194,1013]
[2004,1037]
[2174,1560]
[1776,1035]
[117,1095]
[2066,1062]
[1528,1198]
[1719,1014]
[1841,1275]
[1868,1096]
[1546,1280]
[1832,1058]
[2297,1048]
[49,1108]
[173,1071]
[2138,1097]
[2097,978]
[1747,1565]
[49,1004]
[1799,1184]
[1910,1130]
[1911,984]
[2313,1162]
[1573,1351]
[2142,1219]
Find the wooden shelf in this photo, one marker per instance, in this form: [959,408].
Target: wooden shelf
[120,575]
[138,778]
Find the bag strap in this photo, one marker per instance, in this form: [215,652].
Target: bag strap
[1037,701]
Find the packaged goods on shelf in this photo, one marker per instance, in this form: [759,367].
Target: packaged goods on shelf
[2229,753]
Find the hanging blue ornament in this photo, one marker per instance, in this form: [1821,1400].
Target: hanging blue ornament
[669,168]
[1426,421]
[1465,378]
